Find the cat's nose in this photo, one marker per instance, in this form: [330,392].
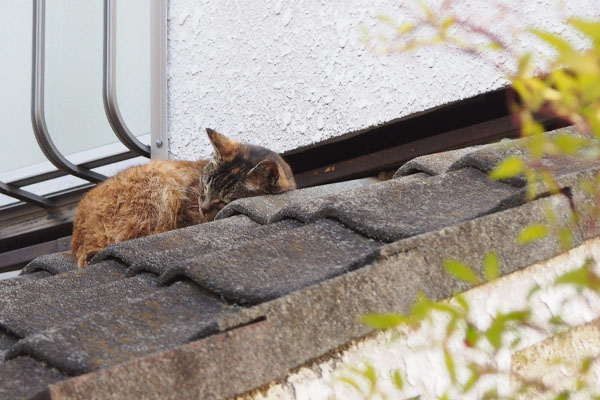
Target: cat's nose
[205,206]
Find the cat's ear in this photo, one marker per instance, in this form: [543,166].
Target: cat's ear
[225,148]
[265,171]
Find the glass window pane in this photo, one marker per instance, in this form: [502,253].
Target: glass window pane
[133,64]
[19,147]
[74,110]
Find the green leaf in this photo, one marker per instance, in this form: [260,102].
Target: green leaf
[537,145]
[490,394]
[450,365]
[495,331]
[530,126]
[524,65]
[554,40]
[577,277]
[451,327]
[569,144]
[473,378]
[447,23]
[590,28]
[532,233]
[586,364]
[462,302]
[521,316]
[371,376]
[397,379]
[491,266]
[386,19]
[583,277]
[350,382]
[536,288]
[405,28]
[384,321]
[566,238]
[563,396]
[471,336]
[508,168]
[495,46]
[461,271]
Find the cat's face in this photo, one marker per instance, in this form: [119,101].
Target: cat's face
[238,170]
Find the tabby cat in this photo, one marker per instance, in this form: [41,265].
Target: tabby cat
[164,195]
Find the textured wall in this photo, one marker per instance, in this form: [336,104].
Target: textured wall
[425,370]
[288,74]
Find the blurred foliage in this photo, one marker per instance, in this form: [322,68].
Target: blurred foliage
[568,88]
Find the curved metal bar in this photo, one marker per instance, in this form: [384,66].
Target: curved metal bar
[109,92]
[24,195]
[38,118]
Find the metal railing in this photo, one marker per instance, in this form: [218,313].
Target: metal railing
[158,149]
[109,90]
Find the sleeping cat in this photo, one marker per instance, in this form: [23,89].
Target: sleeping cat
[164,195]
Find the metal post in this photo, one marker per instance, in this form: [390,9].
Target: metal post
[158,79]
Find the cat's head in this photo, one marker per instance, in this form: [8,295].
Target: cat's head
[239,170]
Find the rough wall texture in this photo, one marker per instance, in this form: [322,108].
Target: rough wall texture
[287,74]
[425,375]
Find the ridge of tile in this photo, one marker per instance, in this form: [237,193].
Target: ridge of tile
[262,208]
[278,264]
[40,290]
[400,208]
[56,263]
[165,318]
[157,253]
[489,156]
[7,340]
[24,377]
[20,279]
[55,308]
[436,163]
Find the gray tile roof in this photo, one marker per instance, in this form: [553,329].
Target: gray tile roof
[218,309]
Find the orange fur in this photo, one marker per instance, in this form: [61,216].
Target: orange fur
[165,195]
[139,201]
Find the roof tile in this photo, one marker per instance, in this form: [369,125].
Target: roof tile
[19,280]
[156,253]
[56,263]
[41,290]
[7,340]
[24,377]
[434,164]
[401,208]
[278,264]
[488,157]
[59,307]
[263,208]
[167,317]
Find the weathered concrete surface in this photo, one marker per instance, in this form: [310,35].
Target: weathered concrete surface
[422,364]
[556,364]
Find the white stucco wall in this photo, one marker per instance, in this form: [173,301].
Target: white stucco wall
[288,74]
[412,351]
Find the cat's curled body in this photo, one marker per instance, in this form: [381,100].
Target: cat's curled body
[164,195]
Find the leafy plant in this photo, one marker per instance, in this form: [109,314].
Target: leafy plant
[569,89]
